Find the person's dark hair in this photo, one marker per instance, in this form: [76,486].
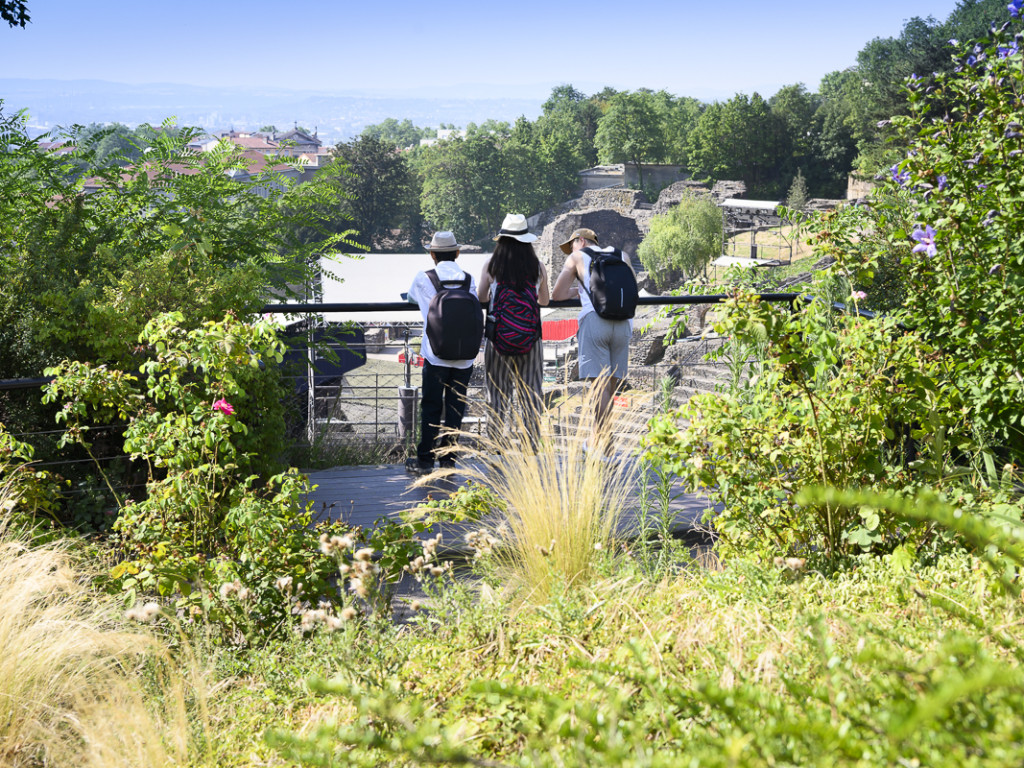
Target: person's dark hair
[445,255]
[514,263]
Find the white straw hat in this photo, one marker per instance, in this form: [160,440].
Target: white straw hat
[443,242]
[514,226]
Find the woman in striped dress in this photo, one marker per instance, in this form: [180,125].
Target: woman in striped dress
[514,265]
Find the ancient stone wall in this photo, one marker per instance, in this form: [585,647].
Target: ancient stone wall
[612,228]
[671,195]
[621,200]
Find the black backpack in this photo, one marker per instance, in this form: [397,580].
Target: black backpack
[455,320]
[613,290]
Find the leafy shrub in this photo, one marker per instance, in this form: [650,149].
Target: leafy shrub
[206,518]
[845,402]
[950,213]
[25,492]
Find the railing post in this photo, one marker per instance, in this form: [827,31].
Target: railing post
[310,381]
[407,398]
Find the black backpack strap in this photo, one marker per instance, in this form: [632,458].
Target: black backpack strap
[439,283]
[598,254]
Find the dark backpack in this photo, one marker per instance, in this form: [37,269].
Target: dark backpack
[513,323]
[613,290]
[455,322]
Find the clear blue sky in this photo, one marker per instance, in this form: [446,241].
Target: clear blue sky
[708,49]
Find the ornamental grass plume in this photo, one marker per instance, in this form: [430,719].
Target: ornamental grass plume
[70,691]
[565,498]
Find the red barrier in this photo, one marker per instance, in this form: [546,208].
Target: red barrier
[417,360]
[559,330]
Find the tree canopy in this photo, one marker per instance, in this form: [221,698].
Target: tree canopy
[380,188]
[14,12]
[682,241]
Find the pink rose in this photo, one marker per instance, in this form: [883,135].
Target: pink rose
[223,406]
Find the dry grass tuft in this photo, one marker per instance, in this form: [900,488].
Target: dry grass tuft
[565,499]
[70,693]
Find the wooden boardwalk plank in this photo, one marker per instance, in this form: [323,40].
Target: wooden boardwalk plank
[361,495]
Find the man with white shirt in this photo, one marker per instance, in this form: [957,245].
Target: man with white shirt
[445,382]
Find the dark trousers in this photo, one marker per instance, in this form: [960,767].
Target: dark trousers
[443,394]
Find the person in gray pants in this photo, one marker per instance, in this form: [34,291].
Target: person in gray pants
[603,344]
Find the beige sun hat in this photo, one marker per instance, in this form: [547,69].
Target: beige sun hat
[443,242]
[514,226]
[588,234]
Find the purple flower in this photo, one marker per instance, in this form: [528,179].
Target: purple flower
[995,268]
[942,181]
[1015,8]
[900,178]
[223,406]
[925,240]
[1005,51]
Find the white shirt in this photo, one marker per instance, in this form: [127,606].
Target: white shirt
[422,291]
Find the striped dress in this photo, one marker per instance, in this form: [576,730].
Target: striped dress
[512,378]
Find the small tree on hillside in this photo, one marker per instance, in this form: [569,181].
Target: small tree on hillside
[682,241]
[797,197]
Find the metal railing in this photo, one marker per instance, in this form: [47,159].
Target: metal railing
[359,404]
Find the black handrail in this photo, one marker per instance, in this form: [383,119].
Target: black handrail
[24,383]
[408,306]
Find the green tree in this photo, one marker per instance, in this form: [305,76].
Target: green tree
[402,134]
[379,186]
[470,183]
[525,173]
[834,144]
[740,139]
[797,196]
[794,109]
[567,127]
[462,186]
[682,241]
[631,130]
[679,118]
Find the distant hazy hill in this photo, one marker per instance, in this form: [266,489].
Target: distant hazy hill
[337,116]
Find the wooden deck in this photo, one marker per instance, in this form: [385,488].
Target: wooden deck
[361,495]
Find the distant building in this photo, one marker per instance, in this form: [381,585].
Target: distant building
[304,148]
[57,147]
[296,142]
[443,134]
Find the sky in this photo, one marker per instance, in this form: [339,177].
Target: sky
[706,48]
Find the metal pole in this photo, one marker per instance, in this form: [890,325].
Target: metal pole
[310,382]
[407,399]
